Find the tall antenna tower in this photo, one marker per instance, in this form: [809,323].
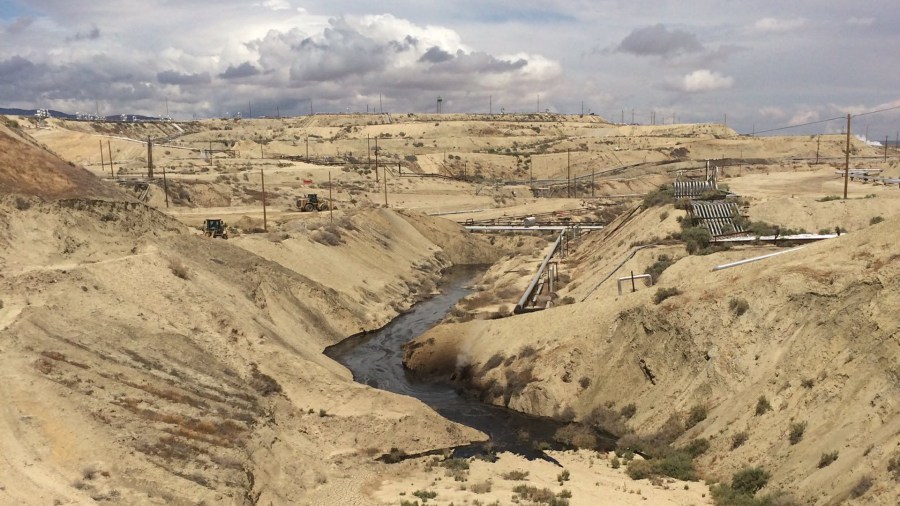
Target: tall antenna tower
[440,102]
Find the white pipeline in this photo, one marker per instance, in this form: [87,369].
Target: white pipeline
[754,259]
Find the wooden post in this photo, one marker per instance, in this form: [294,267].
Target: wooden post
[369,151]
[330,202]
[633,289]
[262,176]
[376,159]
[102,163]
[385,181]
[818,143]
[111,167]
[165,186]
[149,158]
[847,159]
[568,174]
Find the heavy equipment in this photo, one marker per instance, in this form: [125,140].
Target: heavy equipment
[215,228]
[311,202]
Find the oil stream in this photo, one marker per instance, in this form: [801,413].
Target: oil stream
[376,359]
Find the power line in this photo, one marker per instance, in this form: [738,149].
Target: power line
[827,120]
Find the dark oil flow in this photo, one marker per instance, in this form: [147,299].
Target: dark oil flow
[376,359]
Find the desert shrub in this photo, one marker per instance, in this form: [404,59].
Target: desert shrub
[662,263]
[664,293]
[862,486]
[697,447]
[876,220]
[750,480]
[738,439]
[178,268]
[615,463]
[584,381]
[762,405]
[827,458]
[606,419]
[796,433]
[327,237]
[807,382]
[828,198]
[696,415]
[563,476]
[425,495]
[677,464]
[515,475]
[568,299]
[628,410]
[263,383]
[660,197]
[696,239]
[893,467]
[22,204]
[577,435]
[738,305]
[481,488]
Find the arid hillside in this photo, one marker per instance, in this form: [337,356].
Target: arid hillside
[145,364]
[745,358]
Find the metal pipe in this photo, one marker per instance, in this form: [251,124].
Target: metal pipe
[754,259]
[520,306]
[632,278]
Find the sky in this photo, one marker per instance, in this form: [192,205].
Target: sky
[756,65]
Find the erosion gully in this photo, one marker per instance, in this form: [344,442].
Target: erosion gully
[376,359]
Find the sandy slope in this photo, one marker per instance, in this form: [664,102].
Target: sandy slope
[822,317]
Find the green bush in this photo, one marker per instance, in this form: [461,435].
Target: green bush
[677,464]
[696,239]
[664,293]
[661,196]
[750,480]
[697,447]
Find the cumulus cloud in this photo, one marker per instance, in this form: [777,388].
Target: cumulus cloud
[704,80]
[778,25]
[802,117]
[92,34]
[657,40]
[772,112]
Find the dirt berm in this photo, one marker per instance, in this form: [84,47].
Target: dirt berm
[145,364]
[814,333]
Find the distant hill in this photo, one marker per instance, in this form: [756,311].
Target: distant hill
[64,115]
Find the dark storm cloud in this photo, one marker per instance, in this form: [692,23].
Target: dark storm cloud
[178,78]
[245,69]
[657,40]
[435,55]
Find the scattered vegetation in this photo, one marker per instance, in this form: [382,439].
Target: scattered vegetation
[564,476]
[425,495]
[697,447]
[696,239]
[738,305]
[677,464]
[893,467]
[536,495]
[738,439]
[662,263]
[807,382]
[628,411]
[876,220]
[750,480]
[663,195]
[827,458]
[744,486]
[515,475]
[696,415]
[796,432]
[178,268]
[664,293]
[862,486]
[762,405]
[829,198]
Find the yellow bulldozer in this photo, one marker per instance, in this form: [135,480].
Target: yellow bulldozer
[215,228]
[311,202]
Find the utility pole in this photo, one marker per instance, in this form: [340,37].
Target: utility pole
[818,143]
[109,147]
[369,151]
[385,185]
[262,177]
[847,159]
[307,147]
[885,147]
[102,163]
[568,174]
[381,111]
[376,158]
